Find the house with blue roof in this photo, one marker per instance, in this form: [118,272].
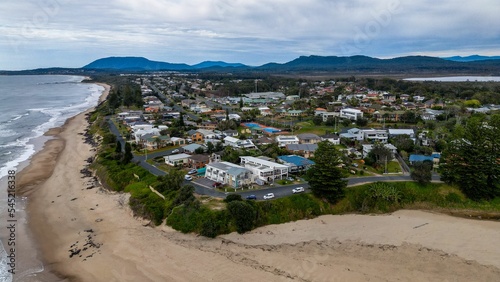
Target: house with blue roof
[295,163]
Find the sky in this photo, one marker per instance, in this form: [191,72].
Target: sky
[70,33]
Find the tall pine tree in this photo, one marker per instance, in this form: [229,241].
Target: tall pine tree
[325,177]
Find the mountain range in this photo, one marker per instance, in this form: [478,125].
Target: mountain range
[471,65]
[354,64]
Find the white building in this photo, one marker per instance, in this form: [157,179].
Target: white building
[263,170]
[353,134]
[177,159]
[228,173]
[375,135]
[237,143]
[284,140]
[351,114]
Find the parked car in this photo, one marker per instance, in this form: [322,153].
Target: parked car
[268,196]
[251,197]
[298,190]
[216,184]
[175,151]
[290,179]
[188,177]
[193,171]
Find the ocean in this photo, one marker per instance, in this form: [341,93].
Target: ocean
[29,106]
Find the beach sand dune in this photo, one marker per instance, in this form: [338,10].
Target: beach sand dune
[90,235]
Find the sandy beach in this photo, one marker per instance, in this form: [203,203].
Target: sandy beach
[65,216]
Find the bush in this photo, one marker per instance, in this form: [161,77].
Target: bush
[243,215]
[233,197]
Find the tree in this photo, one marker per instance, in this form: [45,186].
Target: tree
[378,155]
[210,147]
[317,120]
[199,150]
[181,119]
[472,159]
[362,122]
[403,143]
[118,148]
[422,172]
[171,181]
[127,157]
[325,177]
[244,215]
[241,103]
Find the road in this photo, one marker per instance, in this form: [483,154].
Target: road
[279,191]
[176,107]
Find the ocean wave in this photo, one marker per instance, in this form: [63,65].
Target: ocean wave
[29,150]
[5,276]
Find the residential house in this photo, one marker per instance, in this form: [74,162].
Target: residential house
[237,143]
[264,140]
[191,148]
[195,135]
[308,138]
[216,157]
[198,161]
[265,111]
[352,114]
[396,132]
[330,137]
[176,141]
[153,142]
[306,150]
[284,140]
[177,160]
[228,173]
[375,135]
[230,132]
[294,113]
[295,163]
[354,134]
[264,171]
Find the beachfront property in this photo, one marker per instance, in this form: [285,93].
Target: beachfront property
[238,143]
[264,171]
[352,114]
[284,140]
[295,163]
[228,173]
[177,159]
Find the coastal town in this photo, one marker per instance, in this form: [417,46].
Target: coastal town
[254,140]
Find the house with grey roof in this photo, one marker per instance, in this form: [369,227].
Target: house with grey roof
[308,138]
[228,173]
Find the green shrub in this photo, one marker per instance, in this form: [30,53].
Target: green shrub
[233,197]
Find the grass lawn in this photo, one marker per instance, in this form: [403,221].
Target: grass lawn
[309,127]
[141,152]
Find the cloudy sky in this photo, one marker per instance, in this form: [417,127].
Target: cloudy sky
[70,33]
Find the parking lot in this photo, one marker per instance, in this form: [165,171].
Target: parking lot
[204,182]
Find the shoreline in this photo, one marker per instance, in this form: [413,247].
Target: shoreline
[39,168]
[65,216]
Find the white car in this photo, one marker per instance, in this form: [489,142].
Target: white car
[298,190]
[268,196]
[188,177]
[175,151]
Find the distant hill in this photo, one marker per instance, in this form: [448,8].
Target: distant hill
[471,58]
[212,64]
[133,63]
[140,63]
